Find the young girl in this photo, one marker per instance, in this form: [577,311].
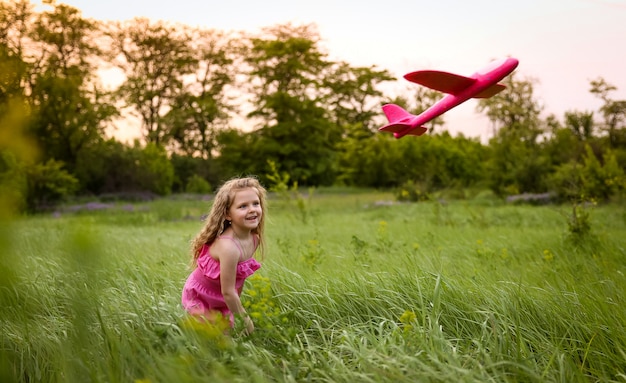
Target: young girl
[223,252]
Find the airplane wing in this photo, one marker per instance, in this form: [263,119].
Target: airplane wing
[491,91]
[441,81]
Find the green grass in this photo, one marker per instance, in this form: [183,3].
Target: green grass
[351,290]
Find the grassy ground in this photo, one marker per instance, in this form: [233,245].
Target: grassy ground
[353,289]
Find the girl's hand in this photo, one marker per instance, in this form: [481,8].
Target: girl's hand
[249,326]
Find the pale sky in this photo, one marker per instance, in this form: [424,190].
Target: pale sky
[561,43]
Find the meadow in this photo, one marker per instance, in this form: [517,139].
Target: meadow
[355,287]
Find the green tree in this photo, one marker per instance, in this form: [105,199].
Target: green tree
[237,154]
[562,145]
[516,164]
[514,111]
[372,162]
[352,97]
[353,102]
[580,123]
[286,65]
[613,111]
[593,178]
[155,57]
[47,64]
[201,107]
[16,147]
[15,19]
[565,144]
[70,111]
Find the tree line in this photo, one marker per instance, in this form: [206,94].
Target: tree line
[214,104]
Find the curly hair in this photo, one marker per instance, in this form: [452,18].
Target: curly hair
[215,222]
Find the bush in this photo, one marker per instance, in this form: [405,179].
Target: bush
[155,173]
[186,167]
[47,184]
[601,180]
[566,182]
[12,185]
[589,181]
[197,185]
[412,191]
[114,167]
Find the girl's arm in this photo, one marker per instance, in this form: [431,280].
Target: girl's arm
[228,256]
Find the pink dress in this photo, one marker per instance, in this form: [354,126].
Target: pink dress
[203,292]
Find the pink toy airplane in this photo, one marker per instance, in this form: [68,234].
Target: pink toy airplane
[482,84]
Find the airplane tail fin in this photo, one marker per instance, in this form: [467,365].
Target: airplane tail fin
[396,114]
[399,119]
[400,122]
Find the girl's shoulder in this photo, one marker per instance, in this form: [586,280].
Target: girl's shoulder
[225,245]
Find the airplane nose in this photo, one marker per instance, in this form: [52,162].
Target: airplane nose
[512,62]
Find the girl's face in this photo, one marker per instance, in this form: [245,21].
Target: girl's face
[245,212]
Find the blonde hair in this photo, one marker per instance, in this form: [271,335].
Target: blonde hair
[215,222]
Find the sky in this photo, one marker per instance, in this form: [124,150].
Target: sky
[562,44]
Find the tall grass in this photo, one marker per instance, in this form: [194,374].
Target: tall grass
[352,290]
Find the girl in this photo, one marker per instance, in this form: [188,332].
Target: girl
[223,252]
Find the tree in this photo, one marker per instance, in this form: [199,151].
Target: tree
[614,112]
[14,76]
[238,154]
[352,97]
[286,66]
[565,143]
[371,163]
[580,123]
[514,111]
[15,19]
[47,65]
[202,105]
[517,164]
[155,57]
[70,111]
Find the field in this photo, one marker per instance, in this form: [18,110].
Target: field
[353,288]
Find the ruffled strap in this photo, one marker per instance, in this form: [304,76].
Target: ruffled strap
[247,268]
[210,267]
